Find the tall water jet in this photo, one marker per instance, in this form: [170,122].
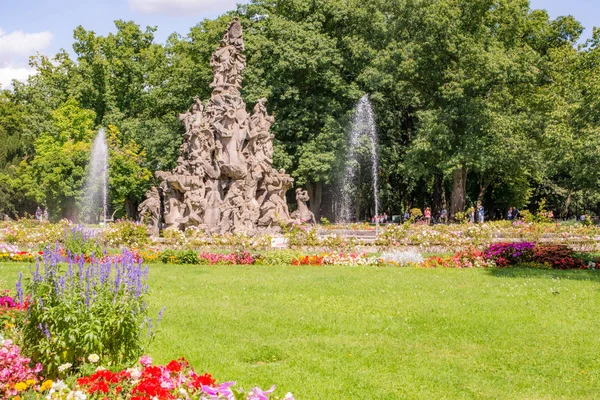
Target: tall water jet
[95,206]
[363,127]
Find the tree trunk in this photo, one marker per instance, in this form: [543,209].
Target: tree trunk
[459,191]
[315,192]
[438,194]
[315,203]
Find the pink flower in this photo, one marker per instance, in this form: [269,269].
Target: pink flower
[146,361]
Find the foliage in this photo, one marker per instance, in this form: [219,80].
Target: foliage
[89,308]
[179,257]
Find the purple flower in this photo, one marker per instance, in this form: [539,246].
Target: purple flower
[258,394]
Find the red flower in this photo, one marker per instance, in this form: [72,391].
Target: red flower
[206,380]
[174,366]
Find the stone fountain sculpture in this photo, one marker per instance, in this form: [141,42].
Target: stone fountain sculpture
[224,181]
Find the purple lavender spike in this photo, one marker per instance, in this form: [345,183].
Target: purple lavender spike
[20,288]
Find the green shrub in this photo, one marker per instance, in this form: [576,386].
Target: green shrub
[179,257]
[278,257]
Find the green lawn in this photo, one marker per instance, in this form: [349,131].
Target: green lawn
[390,333]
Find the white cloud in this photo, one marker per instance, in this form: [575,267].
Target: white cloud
[7,74]
[183,7]
[15,49]
[19,44]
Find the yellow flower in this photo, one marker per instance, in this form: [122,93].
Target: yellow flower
[47,385]
[30,382]
[21,386]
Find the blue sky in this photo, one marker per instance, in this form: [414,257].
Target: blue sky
[27,26]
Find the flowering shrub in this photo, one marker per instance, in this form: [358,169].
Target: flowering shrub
[33,234]
[504,254]
[309,260]
[176,380]
[79,240]
[85,308]
[552,256]
[336,259]
[126,234]
[240,258]
[467,258]
[10,252]
[557,257]
[206,258]
[279,257]
[15,373]
[12,313]
[299,234]
[402,258]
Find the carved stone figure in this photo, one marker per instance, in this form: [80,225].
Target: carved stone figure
[224,181]
[151,208]
[303,213]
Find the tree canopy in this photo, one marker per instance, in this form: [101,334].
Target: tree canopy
[477,102]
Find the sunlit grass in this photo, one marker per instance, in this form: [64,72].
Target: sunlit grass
[389,333]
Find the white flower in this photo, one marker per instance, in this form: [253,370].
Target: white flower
[135,373]
[93,358]
[78,395]
[64,367]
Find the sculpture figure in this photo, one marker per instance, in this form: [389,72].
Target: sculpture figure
[303,213]
[151,208]
[224,181]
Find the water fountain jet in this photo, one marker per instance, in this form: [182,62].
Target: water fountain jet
[363,125]
[96,184]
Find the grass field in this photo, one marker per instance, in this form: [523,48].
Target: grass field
[390,333]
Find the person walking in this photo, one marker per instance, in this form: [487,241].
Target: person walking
[480,214]
[427,214]
[38,214]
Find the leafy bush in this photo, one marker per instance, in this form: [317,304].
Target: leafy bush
[460,217]
[415,213]
[325,221]
[126,234]
[280,257]
[179,257]
[89,308]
